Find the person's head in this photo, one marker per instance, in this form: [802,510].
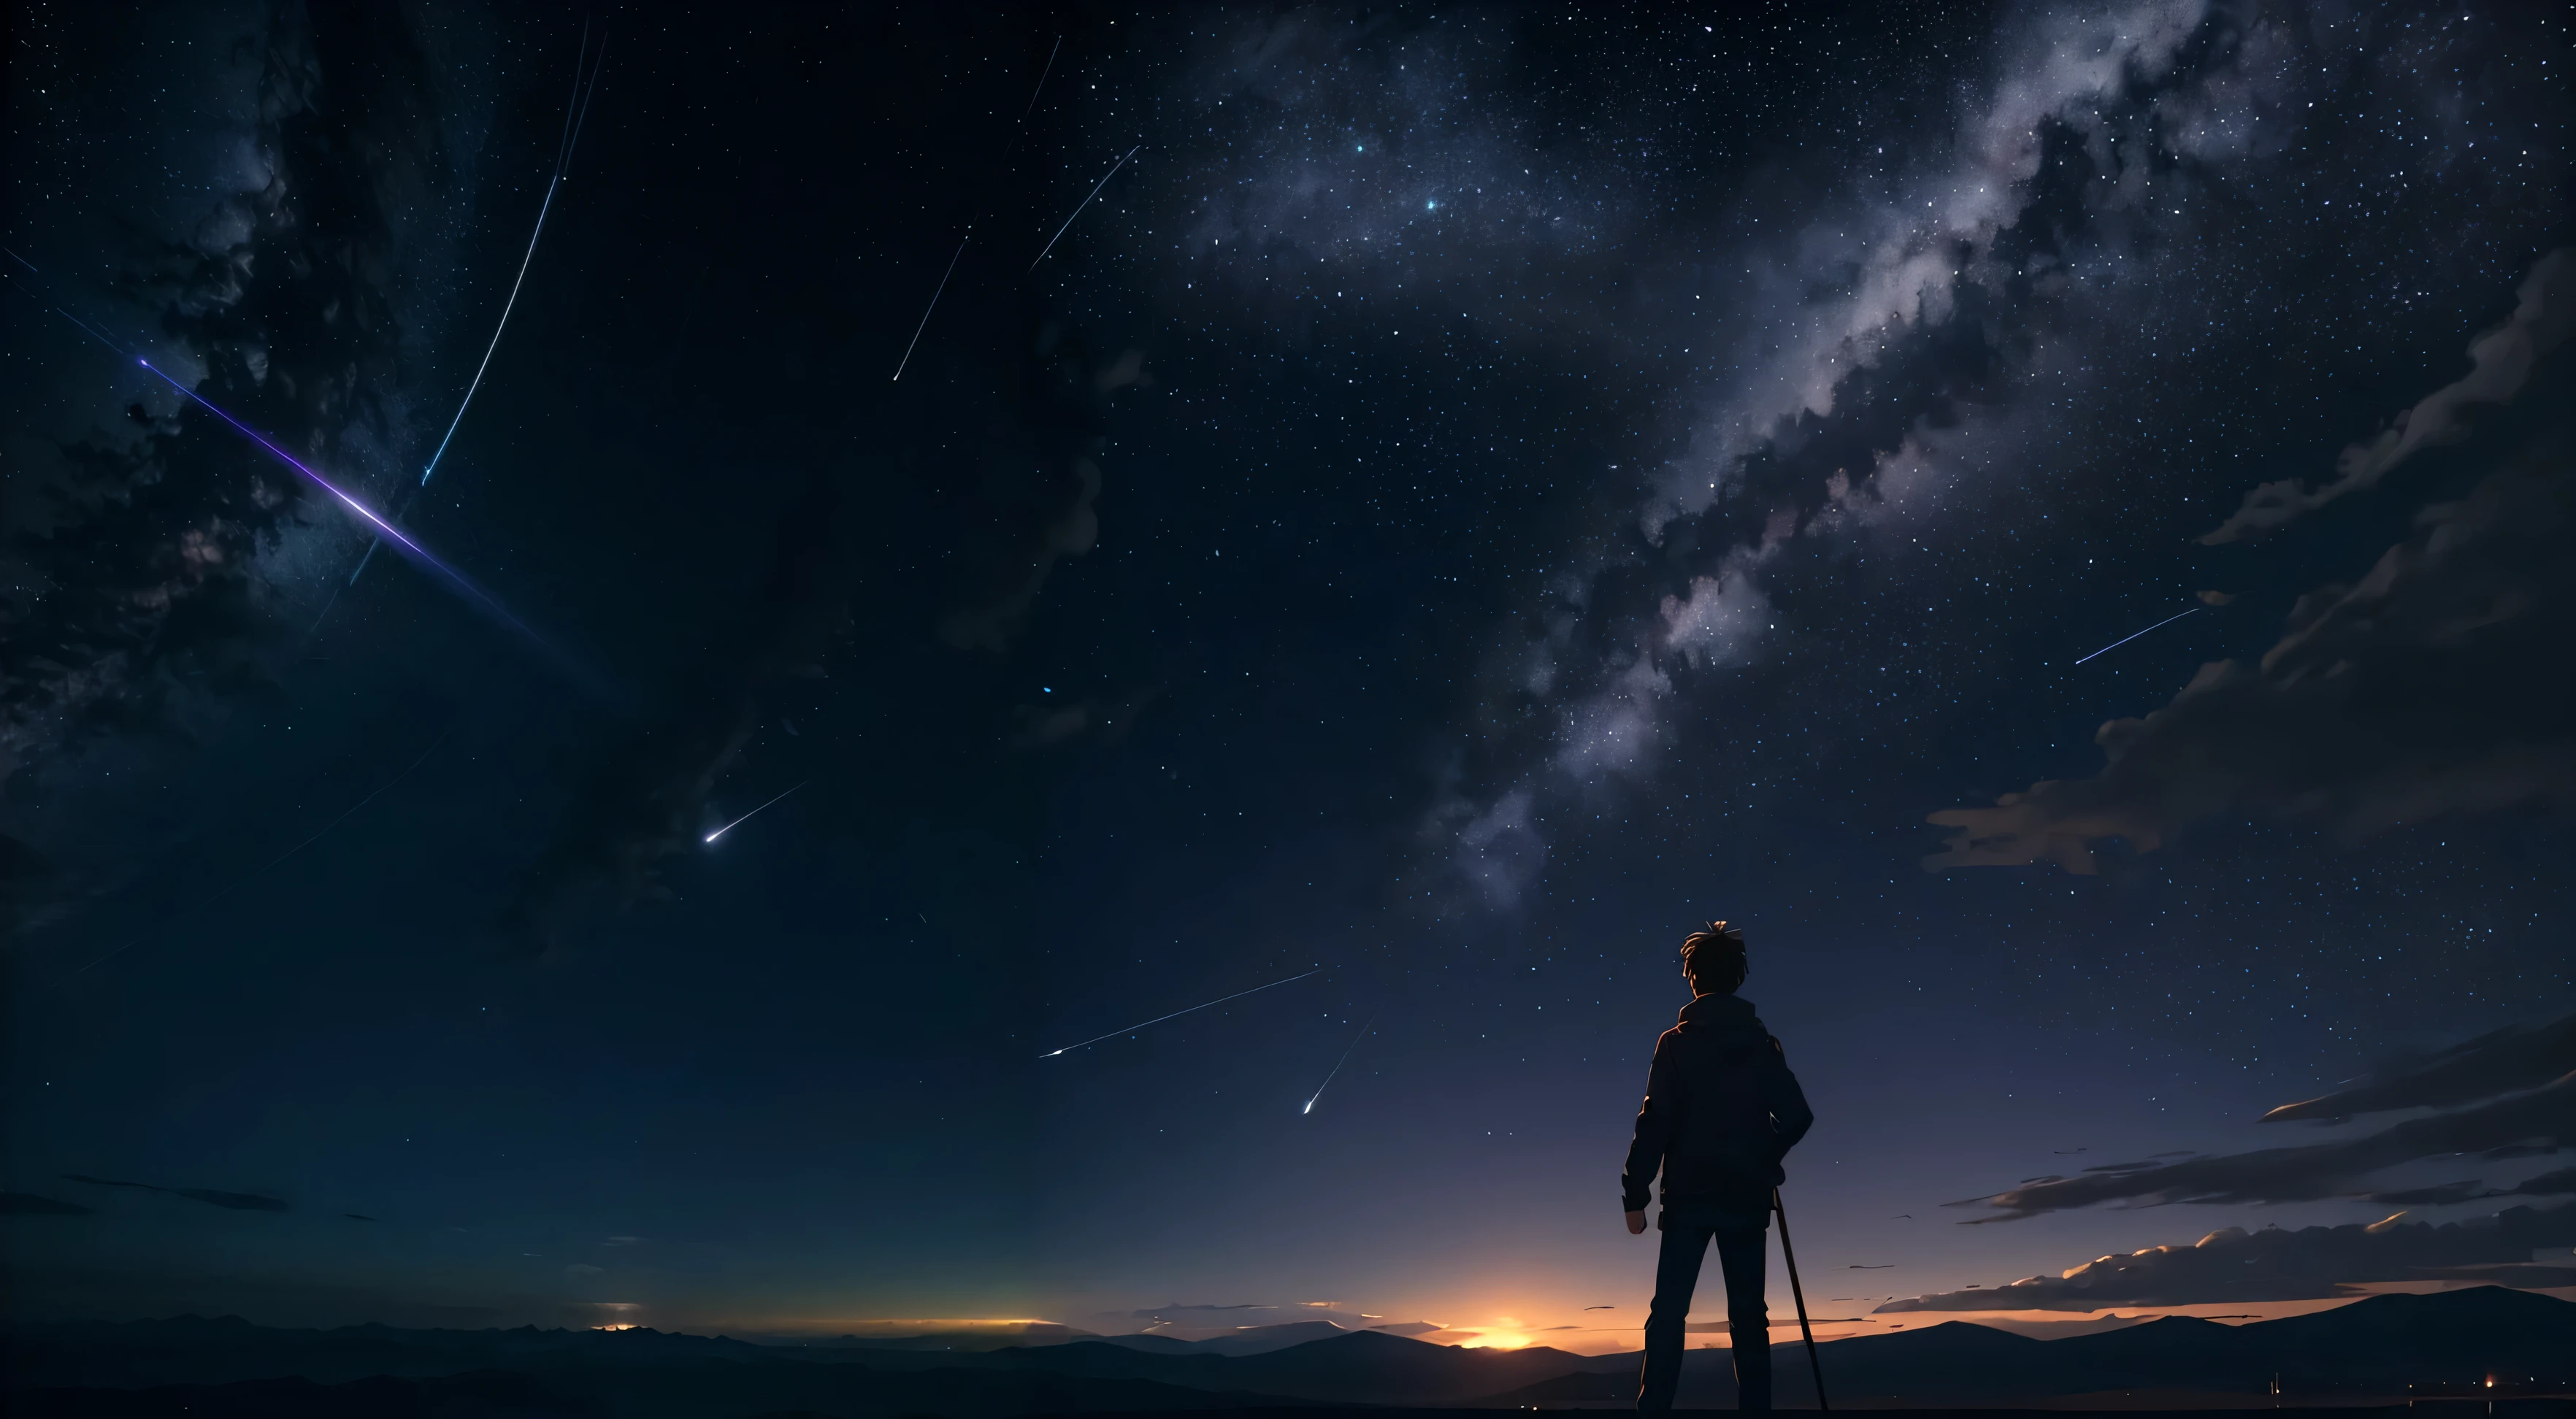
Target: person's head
[1713,959]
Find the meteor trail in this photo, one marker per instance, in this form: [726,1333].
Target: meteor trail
[1220,1000]
[1337,1065]
[1077,211]
[934,303]
[563,162]
[1042,78]
[738,822]
[574,116]
[2124,640]
[1019,130]
[383,528]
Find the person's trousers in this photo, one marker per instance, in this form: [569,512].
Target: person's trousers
[1741,1254]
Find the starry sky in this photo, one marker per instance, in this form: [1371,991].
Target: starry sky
[1475,493]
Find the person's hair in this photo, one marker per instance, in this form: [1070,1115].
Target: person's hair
[1713,958]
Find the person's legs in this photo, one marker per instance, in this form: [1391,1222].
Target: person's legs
[1741,1257]
[1676,1276]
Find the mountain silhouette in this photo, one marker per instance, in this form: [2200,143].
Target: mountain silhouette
[2372,1349]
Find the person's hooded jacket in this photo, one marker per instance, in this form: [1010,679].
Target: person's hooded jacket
[1721,1108]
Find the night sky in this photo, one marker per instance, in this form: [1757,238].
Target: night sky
[1478,493]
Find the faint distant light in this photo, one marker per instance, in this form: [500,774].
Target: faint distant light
[1429,206]
[1359,147]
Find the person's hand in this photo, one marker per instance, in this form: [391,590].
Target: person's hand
[1636,1223]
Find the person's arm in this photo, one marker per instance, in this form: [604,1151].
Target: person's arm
[1656,1121]
[1790,1116]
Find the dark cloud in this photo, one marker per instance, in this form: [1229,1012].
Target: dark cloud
[1054,514]
[134,538]
[139,542]
[2556,1184]
[28,1204]
[1178,1309]
[2502,361]
[644,799]
[2546,1116]
[2440,1195]
[2516,1057]
[2274,1264]
[2434,686]
[230,1201]
[1925,312]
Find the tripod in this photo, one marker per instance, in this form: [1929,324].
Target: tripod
[1799,1294]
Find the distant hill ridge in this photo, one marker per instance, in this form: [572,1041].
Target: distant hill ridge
[2371,1348]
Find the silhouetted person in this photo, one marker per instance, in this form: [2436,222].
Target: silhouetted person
[1721,1108]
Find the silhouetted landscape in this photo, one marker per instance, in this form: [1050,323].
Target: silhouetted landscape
[1268,710]
[2367,1353]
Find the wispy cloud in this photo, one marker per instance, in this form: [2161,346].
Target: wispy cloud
[2276,1264]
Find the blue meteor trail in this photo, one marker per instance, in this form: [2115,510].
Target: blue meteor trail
[1337,1064]
[575,114]
[2124,640]
[1220,1000]
[573,120]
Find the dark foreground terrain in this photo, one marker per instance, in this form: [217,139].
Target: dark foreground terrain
[2377,1352]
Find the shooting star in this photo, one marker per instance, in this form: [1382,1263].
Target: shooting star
[934,302]
[2124,640]
[738,822]
[1077,211]
[1337,1064]
[1019,130]
[1041,86]
[365,513]
[1220,1000]
[574,116]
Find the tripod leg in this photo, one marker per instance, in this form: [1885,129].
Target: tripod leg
[1799,1294]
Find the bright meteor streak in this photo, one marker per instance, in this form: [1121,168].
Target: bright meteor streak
[1337,1064]
[365,513]
[738,822]
[1077,211]
[1220,1000]
[2124,640]
[574,117]
[325,484]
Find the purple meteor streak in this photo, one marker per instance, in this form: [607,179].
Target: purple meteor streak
[366,513]
[325,484]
